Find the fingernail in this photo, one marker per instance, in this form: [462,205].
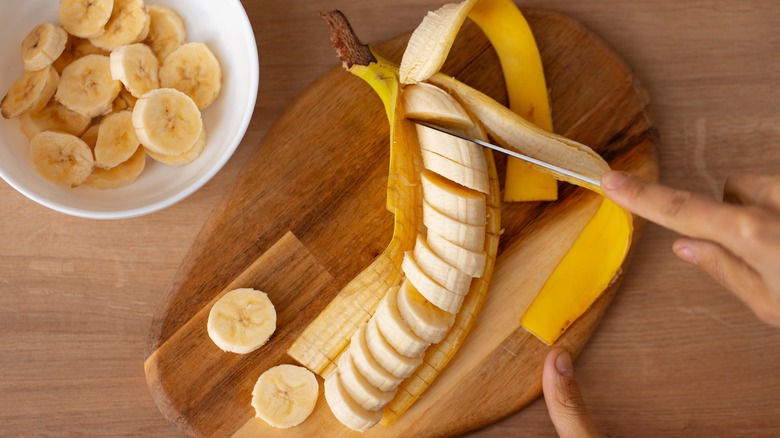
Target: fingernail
[564,366]
[614,179]
[685,253]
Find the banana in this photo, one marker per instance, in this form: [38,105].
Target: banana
[124,101]
[455,201]
[471,237]
[127,25]
[285,395]
[392,361]
[437,294]
[368,367]
[456,149]
[167,121]
[42,46]
[242,321]
[63,159]
[86,86]
[467,261]
[187,157]
[395,330]
[76,48]
[194,70]
[167,32]
[53,117]
[116,141]
[90,137]
[439,270]
[30,93]
[85,18]
[430,103]
[122,175]
[136,67]
[359,388]
[346,410]
[460,174]
[425,319]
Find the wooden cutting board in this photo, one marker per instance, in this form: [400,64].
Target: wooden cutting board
[308,213]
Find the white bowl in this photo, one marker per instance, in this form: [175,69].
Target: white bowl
[223,25]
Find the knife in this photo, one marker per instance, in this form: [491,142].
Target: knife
[527,159]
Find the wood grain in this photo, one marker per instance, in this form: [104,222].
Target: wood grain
[320,176]
[675,355]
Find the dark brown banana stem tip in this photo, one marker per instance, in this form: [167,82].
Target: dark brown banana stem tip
[345,41]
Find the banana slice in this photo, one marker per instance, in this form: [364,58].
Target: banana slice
[455,201]
[432,291]
[30,93]
[346,410]
[465,176]
[90,137]
[126,26]
[430,103]
[124,101]
[471,237]
[186,158]
[368,367]
[167,121]
[425,319]
[86,86]
[42,46]
[456,149]
[392,361]
[120,176]
[85,18]
[464,260]
[136,67]
[167,32]
[76,48]
[242,321]
[116,141]
[359,388]
[394,329]
[285,395]
[63,159]
[53,117]
[194,70]
[440,271]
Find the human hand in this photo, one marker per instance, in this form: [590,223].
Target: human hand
[737,241]
[562,396]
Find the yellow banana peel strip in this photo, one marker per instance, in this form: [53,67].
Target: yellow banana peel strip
[508,31]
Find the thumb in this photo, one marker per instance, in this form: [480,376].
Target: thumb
[563,398]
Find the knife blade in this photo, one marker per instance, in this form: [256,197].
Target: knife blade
[527,159]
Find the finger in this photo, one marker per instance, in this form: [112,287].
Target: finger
[753,189]
[733,274]
[563,398]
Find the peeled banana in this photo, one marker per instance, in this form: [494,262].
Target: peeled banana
[394,328]
[86,86]
[167,31]
[116,141]
[136,67]
[63,159]
[30,92]
[285,395]
[42,46]
[194,70]
[53,117]
[167,121]
[121,175]
[85,18]
[128,24]
[187,157]
[345,409]
[241,321]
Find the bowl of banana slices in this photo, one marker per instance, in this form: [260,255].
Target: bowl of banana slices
[114,109]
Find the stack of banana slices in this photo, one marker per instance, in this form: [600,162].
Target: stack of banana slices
[114,82]
[439,270]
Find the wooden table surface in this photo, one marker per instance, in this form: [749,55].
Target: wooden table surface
[676,355]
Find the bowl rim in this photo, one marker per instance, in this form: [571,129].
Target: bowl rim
[254,72]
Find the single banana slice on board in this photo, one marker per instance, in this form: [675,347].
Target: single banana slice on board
[432,291]
[116,141]
[86,86]
[120,176]
[126,26]
[242,321]
[167,121]
[54,117]
[392,361]
[167,32]
[30,93]
[430,103]
[368,367]
[463,175]
[359,388]
[85,18]
[42,46]
[187,157]
[464,260]
[471,237]
[425,319]
[63,159]
[395,330]
[346,410]
[136,67]
[285,395]
[194,70]
[454,200]
[439,270]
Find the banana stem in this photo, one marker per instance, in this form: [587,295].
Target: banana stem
[346,42]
